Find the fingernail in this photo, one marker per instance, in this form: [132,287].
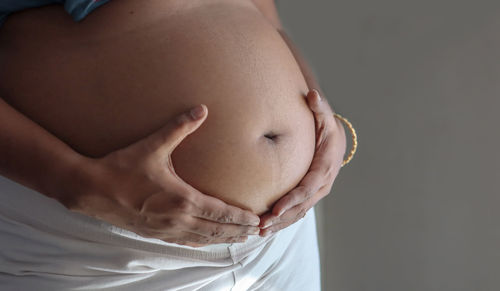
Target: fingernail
[255,222]
[267,224]
[254,231]
[197,112]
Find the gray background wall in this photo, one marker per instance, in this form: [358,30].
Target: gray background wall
[418,207]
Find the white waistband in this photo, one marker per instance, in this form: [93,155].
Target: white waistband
[44,220]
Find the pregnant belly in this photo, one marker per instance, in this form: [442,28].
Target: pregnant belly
[130,67]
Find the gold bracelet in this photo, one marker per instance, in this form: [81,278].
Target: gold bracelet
[354,138]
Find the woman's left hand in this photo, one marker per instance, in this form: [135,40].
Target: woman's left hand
[317,183]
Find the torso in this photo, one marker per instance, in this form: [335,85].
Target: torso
[131,66]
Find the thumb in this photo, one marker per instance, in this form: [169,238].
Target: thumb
[319,106]
[314,101]
[168,137]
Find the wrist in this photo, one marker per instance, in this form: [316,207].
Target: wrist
[69,179]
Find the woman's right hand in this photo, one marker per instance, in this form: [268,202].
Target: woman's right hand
[136,188]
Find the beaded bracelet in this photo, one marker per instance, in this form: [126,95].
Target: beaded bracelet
[354,138]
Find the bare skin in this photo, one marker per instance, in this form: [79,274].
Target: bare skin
[318,182]
[54,169]
[140,213]
[330,145]
[147,165]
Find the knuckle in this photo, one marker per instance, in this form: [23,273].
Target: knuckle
[330,171]
[212,213]
[184,206]
[251,230]
[225,218]
[237,239]
[182,202]
[322,132]
[182,121]
[188,195]
[169,223]
[197,228]
[302,212]
[272,221]
[206,213]
[305,192]
[203,240]
[217,232]
[172,222]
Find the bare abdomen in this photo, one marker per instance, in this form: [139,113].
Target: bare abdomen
[127,69]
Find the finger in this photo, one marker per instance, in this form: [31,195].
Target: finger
[323,117]
[318,104]
[196,240]
[290,217]
[267,219]
[220,230]
[275,228]
[297,211]
[213,209]
[196,204]
[309,185]
[229,240]
[240,239]
[167,138]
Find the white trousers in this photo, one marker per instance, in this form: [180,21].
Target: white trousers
[44,246]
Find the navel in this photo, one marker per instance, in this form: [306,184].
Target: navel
[271,136]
